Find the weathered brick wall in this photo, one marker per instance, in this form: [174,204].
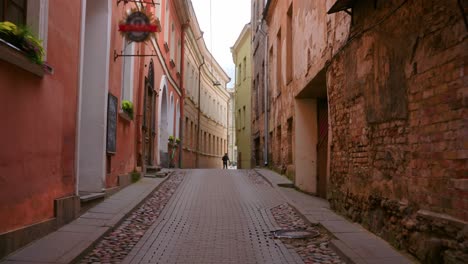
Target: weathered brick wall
[398,108]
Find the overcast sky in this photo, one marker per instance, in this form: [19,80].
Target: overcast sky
[228,17]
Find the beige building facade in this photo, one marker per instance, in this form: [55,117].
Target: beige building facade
[206,103]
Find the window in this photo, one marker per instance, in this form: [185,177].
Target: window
[13,11]
[127,72]
[158,9]
[172,51]
[195,139]
[239,69]
[178,55]
[243,118]
[186,78]
[278,145]
[213,109]
[262,90]
[279,64]
[245,68]
[166,22]
[290,140]
[271,72]
[33,13]
[187,132]
[177,121]
[239,119]
[289,46]
[256,97]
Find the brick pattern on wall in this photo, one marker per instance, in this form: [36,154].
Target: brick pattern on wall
[398,106]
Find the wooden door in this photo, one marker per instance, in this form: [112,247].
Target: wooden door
[148,124]
[322,147]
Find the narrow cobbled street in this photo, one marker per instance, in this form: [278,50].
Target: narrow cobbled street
[214,216]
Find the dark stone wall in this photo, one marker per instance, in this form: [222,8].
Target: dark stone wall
[398,111]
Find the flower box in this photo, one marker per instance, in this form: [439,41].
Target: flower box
[125,116]
[15,56]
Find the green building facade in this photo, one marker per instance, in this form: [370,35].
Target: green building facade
[241,54]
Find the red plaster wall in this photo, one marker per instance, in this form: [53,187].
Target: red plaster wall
[124,160]
[37,135]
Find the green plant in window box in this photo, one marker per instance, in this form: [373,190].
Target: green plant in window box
[127,107]
[23,39]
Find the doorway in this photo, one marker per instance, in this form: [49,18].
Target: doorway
[163,127]
[311,137]
[148,121]
[322,147]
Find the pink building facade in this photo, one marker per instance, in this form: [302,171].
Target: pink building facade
[68,135]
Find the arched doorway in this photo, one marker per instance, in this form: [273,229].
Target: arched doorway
[163,126]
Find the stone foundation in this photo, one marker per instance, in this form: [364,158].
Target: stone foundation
[429,236]
[66,209]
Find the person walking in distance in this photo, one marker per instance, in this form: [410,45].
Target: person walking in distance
[225,160]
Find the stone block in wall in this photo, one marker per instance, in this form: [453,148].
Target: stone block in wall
[124,180]
[66,209]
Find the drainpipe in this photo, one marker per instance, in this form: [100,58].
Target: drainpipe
[265,95]
[182,88]
[197,158]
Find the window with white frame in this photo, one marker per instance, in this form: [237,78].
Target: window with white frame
[127,71]
[179,53]
[158,8]
[177,126]
[32,13]
[166,22]
[171,45]
[187,78]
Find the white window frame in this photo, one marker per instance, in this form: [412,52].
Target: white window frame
[171,45]
[128,71]
[37,19]
[166,22]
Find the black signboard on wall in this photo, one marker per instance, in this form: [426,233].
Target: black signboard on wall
[112,108]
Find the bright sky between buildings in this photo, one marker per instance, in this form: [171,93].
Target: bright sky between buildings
[228,18]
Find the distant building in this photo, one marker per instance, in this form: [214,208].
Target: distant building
[241,54]
[232,147]
[261,141]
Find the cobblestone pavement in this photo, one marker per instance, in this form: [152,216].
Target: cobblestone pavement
[311,250]
[216,216]
[213,216]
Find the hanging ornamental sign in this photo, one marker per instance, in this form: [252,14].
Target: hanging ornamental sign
[138,25]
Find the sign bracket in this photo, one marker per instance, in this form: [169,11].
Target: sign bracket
[116,55]
[138,1]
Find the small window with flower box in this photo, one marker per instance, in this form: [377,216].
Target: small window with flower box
[23,34]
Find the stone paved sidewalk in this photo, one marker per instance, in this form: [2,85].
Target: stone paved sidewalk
[354,243]
[70,241]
